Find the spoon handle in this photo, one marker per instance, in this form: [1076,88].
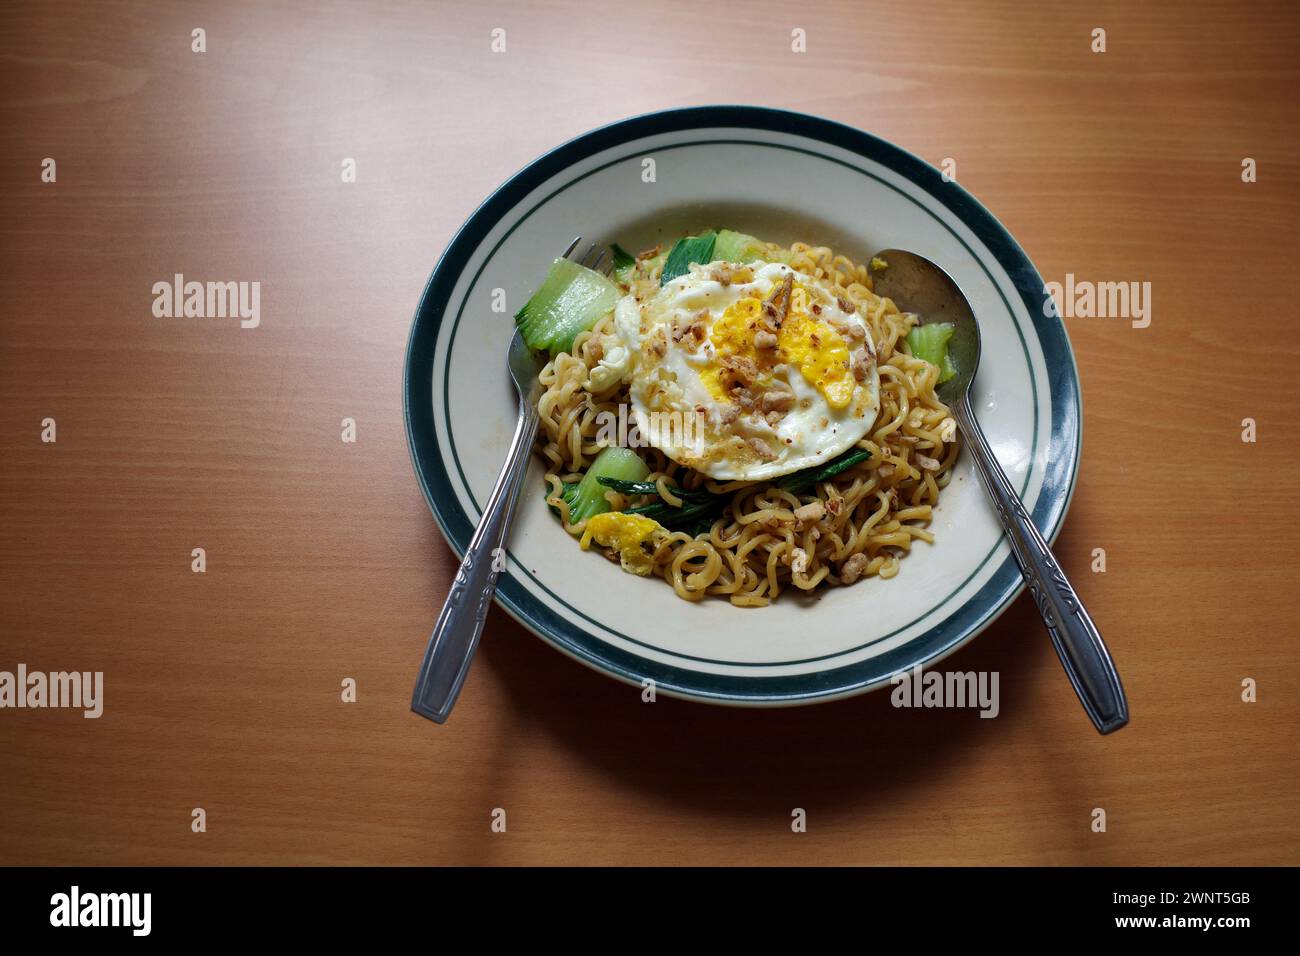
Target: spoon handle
[1081,649]
[455,635]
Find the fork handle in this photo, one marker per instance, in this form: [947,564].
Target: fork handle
[456,633]
[1076,639]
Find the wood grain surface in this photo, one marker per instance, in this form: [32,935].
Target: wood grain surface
[222,689]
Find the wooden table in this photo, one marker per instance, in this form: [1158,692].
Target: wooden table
[223,689]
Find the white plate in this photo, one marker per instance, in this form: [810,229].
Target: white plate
[785,177]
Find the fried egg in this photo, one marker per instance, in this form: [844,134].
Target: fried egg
[747,372]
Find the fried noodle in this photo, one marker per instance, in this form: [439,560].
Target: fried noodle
[758,547]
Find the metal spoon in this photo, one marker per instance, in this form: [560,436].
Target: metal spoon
[918,285]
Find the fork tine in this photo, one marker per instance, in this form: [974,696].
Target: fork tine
[595,265]
[573,245]
[586,256]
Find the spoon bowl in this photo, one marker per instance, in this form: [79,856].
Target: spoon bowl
[918,285]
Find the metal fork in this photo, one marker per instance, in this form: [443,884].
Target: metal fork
[456,633]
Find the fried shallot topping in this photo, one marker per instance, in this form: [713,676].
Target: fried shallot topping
[853,568]
[862,363]
[777,305]
[777,400]
[739,372]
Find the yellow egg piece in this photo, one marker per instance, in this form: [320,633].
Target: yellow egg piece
[624,533]
[731,336]
[821,355]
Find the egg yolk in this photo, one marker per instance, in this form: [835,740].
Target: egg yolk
[821,354]
[818,351]
[624,533]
